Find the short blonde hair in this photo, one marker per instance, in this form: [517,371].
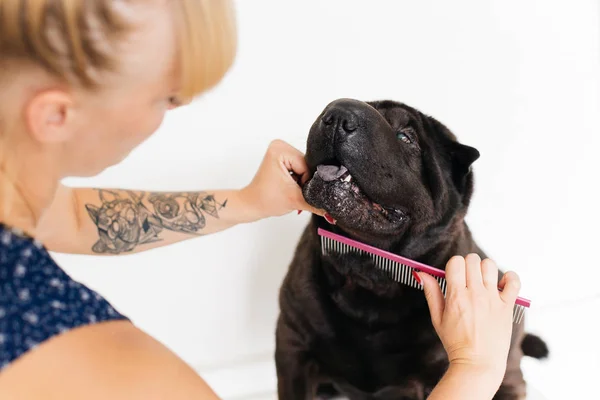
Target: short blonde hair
[74,39]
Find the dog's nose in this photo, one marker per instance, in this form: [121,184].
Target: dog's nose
[343,120]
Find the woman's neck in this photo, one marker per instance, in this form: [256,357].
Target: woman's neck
[25,195]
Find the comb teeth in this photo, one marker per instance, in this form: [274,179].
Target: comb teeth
[395,270]
[518,313]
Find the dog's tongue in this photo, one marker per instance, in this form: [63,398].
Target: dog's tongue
[330,173]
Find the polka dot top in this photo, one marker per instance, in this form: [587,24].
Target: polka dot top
[38,300]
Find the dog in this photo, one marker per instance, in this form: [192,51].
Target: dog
[392,177]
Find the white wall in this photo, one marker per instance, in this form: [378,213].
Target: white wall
[519,80]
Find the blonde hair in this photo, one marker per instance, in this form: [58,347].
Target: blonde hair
[74,40]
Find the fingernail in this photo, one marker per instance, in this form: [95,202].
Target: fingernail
[417,277]
[329,219]
[299,212]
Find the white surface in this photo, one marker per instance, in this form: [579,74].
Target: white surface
[258,380]
[519,80]
[570,329]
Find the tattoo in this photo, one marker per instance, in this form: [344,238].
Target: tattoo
[125,222]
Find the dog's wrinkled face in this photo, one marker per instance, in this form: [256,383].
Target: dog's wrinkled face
[382,168]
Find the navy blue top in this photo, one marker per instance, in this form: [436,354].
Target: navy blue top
[38,300]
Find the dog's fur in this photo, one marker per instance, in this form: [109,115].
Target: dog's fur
[343,324]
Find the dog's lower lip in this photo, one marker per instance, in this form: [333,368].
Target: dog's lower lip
[332,173]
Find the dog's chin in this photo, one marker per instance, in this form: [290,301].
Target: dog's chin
[334,190]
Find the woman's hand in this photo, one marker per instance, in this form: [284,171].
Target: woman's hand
[474,322]
[274,191]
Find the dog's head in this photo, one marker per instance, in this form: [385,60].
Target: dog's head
[382,169]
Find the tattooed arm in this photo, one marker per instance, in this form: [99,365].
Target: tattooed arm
[112,221]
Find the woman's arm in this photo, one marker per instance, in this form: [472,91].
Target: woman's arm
[462,382]
[113,221]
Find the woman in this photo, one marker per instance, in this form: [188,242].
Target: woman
[82,84]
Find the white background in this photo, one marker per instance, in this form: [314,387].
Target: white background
[519,80]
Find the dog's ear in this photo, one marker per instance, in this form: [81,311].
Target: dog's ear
[463,157]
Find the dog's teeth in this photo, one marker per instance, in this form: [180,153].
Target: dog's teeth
[348,178]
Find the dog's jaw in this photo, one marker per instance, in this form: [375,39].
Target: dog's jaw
[334,190]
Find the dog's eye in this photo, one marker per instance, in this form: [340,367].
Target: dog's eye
[404,137]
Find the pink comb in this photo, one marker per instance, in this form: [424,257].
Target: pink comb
[397,267]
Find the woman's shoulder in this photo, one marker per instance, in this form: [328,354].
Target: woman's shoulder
[60,339]
[38,300]
[112,360]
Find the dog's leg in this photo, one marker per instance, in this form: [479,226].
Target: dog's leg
[513,385]
[294,377]
[295,372]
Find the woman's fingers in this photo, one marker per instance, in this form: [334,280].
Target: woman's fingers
[434,296]
[473,266]
[291,160]
[489,272]
[455,274]
[293,166]
[510,285]
[302,205]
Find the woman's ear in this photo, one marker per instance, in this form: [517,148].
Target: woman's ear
[48,116]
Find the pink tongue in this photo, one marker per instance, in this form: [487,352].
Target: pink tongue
[330,219]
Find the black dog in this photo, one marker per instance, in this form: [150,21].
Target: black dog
[397,179]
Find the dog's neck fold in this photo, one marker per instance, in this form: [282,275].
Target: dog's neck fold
[434,246]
